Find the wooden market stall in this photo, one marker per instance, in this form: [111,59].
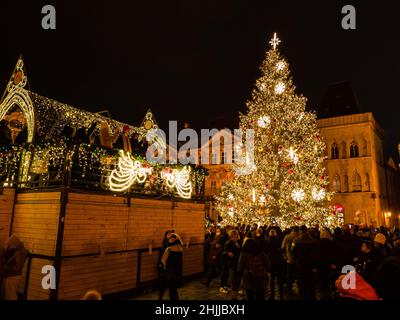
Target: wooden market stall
[75,206]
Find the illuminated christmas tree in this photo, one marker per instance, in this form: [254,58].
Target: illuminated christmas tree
[287,184]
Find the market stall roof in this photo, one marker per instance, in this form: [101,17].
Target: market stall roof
[52,116]
[48,117]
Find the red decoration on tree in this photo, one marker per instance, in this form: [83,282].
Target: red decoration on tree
[322,177]
[291,171]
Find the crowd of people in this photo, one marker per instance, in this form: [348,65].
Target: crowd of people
[304,263]
[259,262]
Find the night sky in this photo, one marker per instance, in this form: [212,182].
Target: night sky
[197,61]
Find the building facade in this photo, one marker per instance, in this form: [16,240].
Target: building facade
[357,169]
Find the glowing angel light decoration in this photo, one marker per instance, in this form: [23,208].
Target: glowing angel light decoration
[127,173]
[180,180]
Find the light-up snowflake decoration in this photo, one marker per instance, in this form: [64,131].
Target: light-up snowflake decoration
[264,121]
[280,88]
[298,195]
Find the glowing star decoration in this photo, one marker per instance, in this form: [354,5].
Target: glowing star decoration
[275,41]
[293,155]
[264,121]
[318,195]
[231,213]
[280,88]
[231,197]
[179,179]
[280,66]
[127,173]
[298,195]
[263,200]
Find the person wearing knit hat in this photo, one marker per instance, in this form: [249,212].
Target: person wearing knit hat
[380,239]
[382,250]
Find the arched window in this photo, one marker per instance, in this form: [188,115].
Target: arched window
[346,183]
[354,150]
[336,186]
[357,186]
[335,151]
[367,183]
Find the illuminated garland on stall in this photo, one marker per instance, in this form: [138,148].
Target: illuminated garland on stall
[38,165]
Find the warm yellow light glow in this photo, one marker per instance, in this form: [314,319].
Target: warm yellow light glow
[179,179]
[254,195]
[127,173]
[262,200]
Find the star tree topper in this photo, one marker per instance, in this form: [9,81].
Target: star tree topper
[275,41]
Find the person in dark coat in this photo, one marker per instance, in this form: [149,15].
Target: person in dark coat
[11,268]
[253,267]
[162,275]
[214,255]
[369,260]
[326,258]
[232,251]
[382,249]
[386,280]
[172,261]
[290,260]
[260,239]
[303,249]
[276,263]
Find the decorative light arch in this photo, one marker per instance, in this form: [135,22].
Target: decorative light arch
[20,97]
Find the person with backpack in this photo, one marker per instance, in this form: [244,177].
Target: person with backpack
[253,267]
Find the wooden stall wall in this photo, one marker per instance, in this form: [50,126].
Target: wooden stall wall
[108,241]
[6,209]
[35,222]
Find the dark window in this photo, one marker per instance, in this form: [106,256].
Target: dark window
[335,151]
[223,158]
[354,150]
